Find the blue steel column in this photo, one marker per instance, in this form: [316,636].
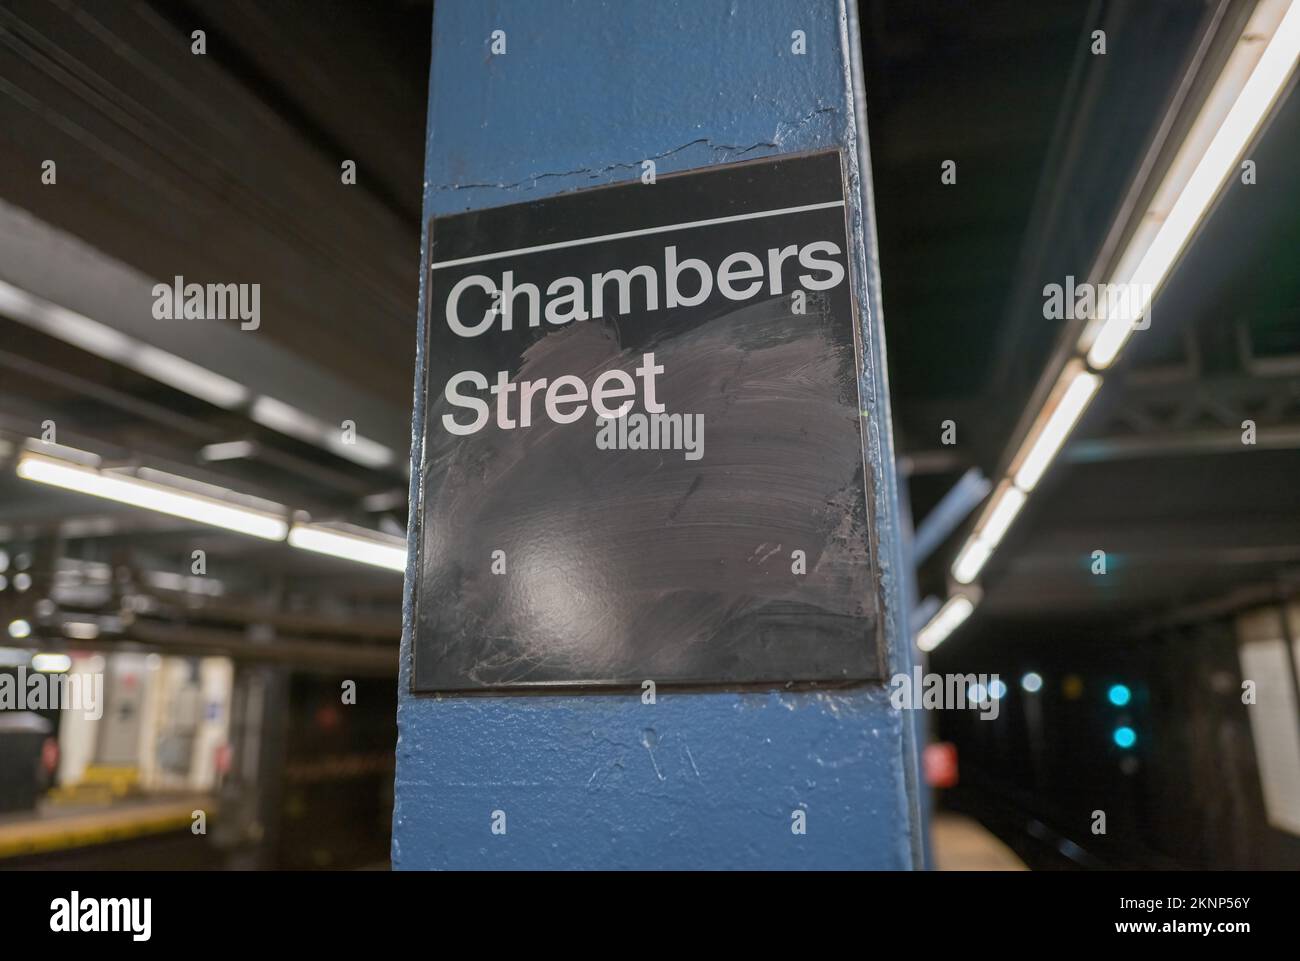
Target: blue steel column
[586,91]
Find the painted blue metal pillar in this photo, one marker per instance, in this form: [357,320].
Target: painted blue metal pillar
[585,91]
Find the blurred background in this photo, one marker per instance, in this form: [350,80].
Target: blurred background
[223,680]
[252,677]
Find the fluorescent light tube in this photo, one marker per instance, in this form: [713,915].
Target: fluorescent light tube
[293,422]
[150,496]
[1003,509]
[369,548]
[228,450]
[1200,169]
[51,663]
[971,560]
[81,630]
[950,617]
[1006,505]
[1065,409]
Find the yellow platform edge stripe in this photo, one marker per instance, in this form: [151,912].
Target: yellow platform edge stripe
[53,836]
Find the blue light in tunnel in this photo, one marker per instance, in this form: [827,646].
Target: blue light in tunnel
[1032,682]
[1125,737]
[1119,695]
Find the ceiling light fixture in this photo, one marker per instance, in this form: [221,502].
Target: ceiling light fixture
[950,617]
[365,547]
[1253,77]
[151,496]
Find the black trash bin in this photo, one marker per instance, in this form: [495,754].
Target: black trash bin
[22,736]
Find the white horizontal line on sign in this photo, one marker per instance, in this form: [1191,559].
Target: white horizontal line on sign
[637,233]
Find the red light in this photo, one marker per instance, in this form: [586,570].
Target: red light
[328,717]
[49,755]
[939,761]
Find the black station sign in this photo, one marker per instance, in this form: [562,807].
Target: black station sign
[643,454]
